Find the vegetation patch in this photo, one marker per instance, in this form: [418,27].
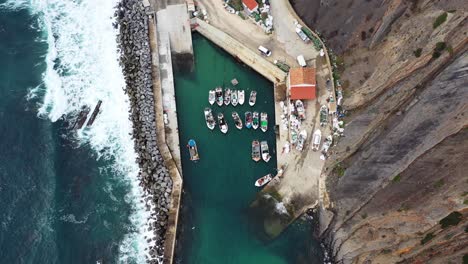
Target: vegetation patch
[439,183]
[417,53]
[236,4]
[340,170]
[451,220]
[396,178]
[465,201]
[364,215]
[465,259]
[427,238]
[403,207]
[317,44]
[275,194]
[440,20]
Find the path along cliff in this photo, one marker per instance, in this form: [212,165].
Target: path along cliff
[397,182]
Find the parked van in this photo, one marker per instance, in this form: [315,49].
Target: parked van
[264,50]
[301,61]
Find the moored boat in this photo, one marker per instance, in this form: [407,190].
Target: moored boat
[316,139]
[256,150]
[209,118]
[227,96]
[323,115]
[222,123]
[264,121]
[293,137]
[301,141]
[219,96]
[263,180]
[252,98]
[248,119]
[255,121]
[265,151]
[234,98]
[241,96]
[211,97]
[237,120]
[300,109]
[193,151]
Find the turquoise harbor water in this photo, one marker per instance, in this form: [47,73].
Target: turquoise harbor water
[215,225]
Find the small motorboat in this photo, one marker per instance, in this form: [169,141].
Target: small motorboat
[237,120]
[264,121]
[192,146]
[316,139]
[248,119]
[300,109]
[227,96]
[265,152]
[241,96]
[211,97]
[293,137]
[234,98]
[255,121]
[326,145]
[256,150]
[223,126]
[323,115]
[301,141]
[263,180]
[209,118]
[253,98]
[219,95]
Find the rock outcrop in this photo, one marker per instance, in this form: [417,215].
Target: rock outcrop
[403,158]
[136,63]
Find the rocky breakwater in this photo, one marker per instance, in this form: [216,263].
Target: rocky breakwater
[154,177]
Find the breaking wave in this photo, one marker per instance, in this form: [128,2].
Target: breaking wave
[82,68]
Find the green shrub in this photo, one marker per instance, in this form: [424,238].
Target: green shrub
[451,220]
[396,178]
[440,46]
[439,183]
[465,259]
[427,238]
[340,170]
[417,53]
[236,4]
[364,216]
[440,20]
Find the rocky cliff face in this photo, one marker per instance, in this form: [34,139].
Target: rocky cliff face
[403,171]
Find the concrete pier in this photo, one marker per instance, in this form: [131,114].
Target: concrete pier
[240,51]
[170,163]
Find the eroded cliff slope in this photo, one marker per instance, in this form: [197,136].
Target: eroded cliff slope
[403,161]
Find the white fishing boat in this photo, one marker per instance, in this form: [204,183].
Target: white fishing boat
[223,126]
[255,121]
[300,109]
[256,151]
[264,121]
[241,96]
[326,145]
[234,98]
[227,96]
[211,97]
[193,151]
[265,151]
[316,139]
[237,120]
[252,98]
[248,119]
[209,118]
[263,180]
[219,96]
[301,141]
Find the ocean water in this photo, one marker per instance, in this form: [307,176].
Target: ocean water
[216,226]
[66,196]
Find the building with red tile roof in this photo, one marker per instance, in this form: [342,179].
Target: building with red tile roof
[250,5]
[302,83]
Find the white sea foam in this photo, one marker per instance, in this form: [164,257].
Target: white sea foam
[82,68]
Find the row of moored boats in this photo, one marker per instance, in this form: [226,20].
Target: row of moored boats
[252,120]
[260,150]
[229,96]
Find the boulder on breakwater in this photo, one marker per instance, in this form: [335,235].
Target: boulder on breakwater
[135,60]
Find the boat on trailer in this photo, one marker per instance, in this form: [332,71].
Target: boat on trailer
[193,150]
[211,97]
[255,121]
[209,118]
[264,121]
[234,98]
[263,180]
[237,120]
[223,126]
[219,96]
[252,98]
[248,119]
[227,96]
[241,96]
[265,151]
[256,150]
